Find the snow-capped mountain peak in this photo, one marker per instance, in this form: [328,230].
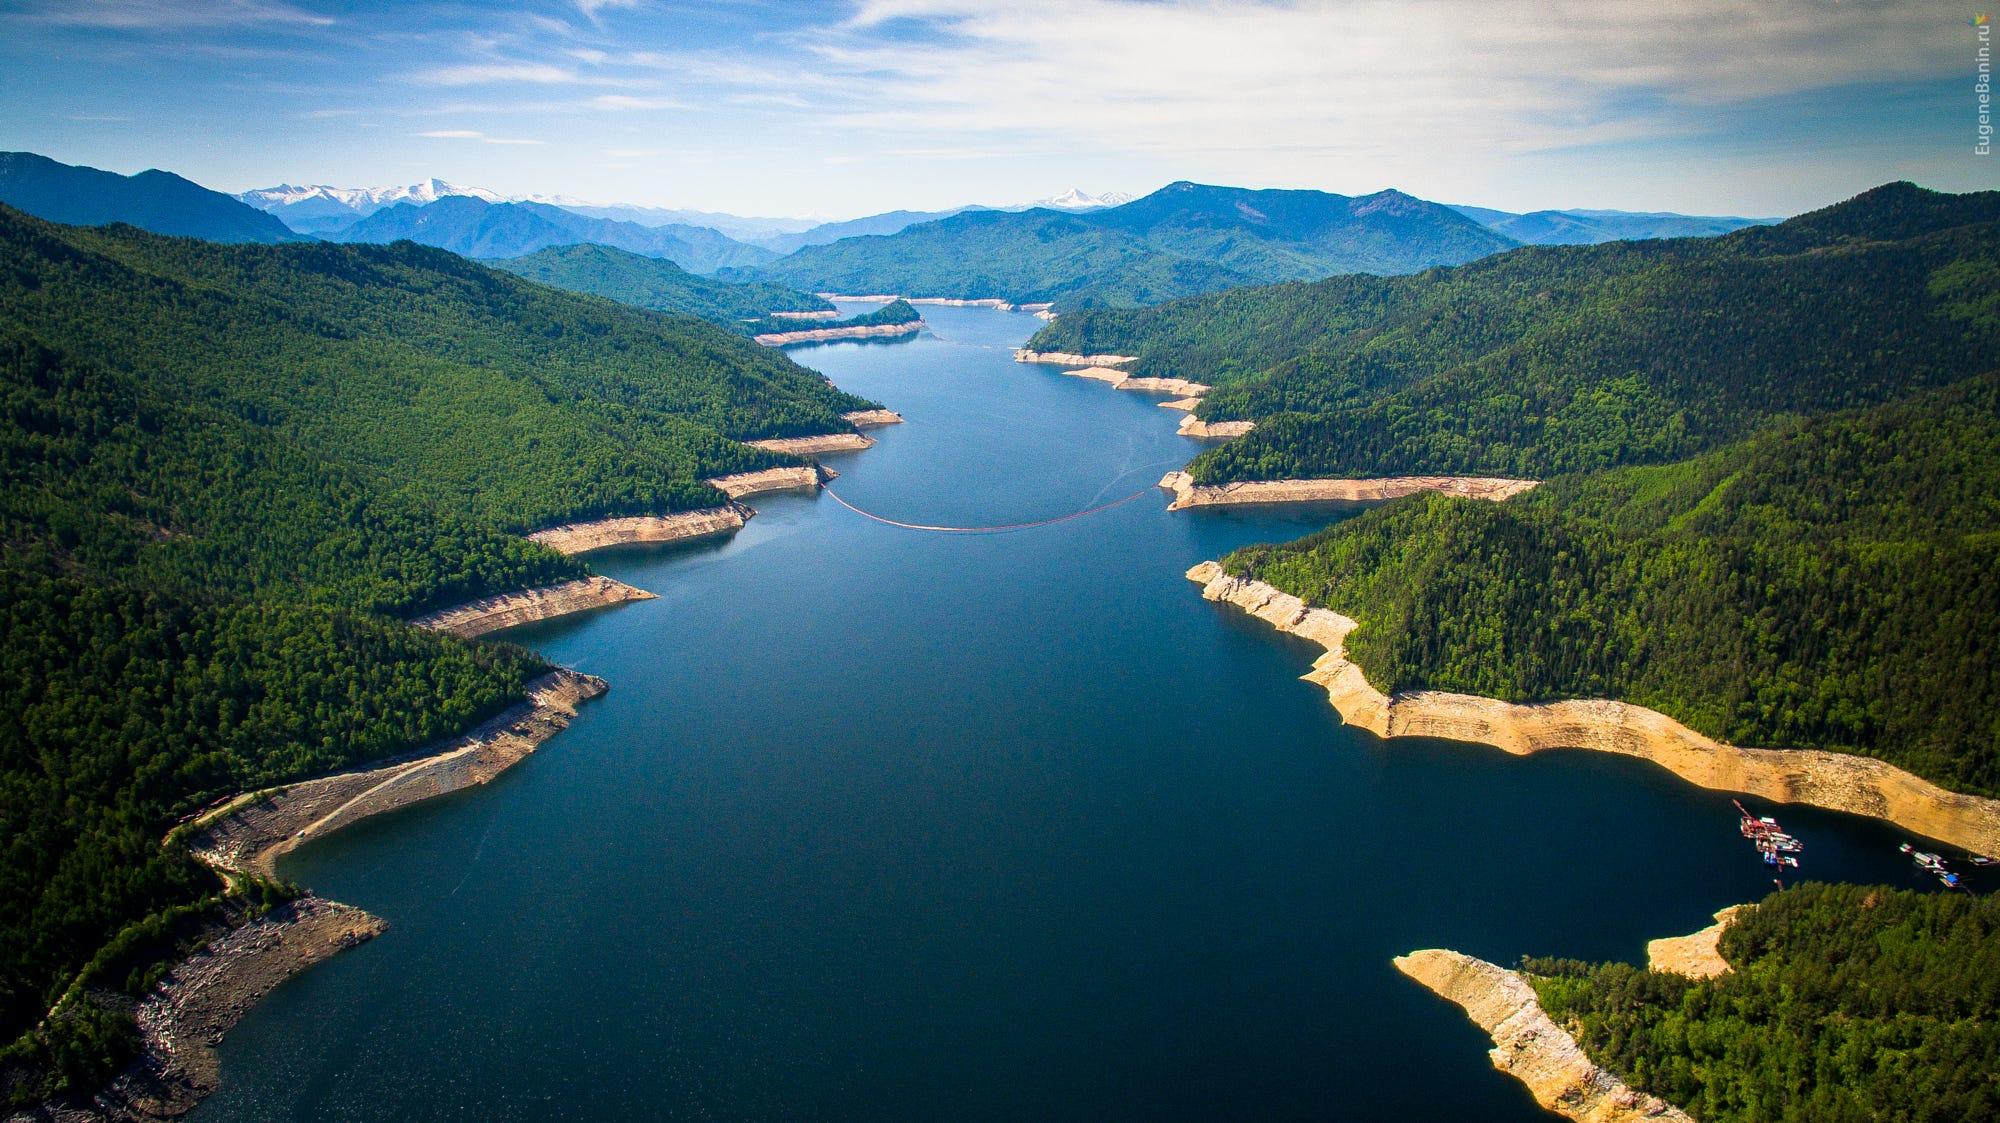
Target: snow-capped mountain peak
[1076,199]
[362,200]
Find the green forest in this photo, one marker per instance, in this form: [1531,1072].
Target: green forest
[229,470]
[1556,359]
[658,284]
[1844,1004]
[1825,584]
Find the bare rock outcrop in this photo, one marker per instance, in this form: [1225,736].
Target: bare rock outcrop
[251,832]
[1187,493]
[527,606]
[809,446]
[598,534]
[1529,1046]
[1070,359]
[1697,954]
[1856,785]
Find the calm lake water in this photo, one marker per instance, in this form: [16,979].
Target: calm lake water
[877,824]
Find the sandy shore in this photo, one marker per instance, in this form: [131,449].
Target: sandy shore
[526,606]
[1696,954]
[872,418]
[1068,359]
[1187,493]
[1192,426]
[1857,785]
[1529,1046]
[809,446]
[826,335]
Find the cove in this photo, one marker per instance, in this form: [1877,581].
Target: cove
[884,824]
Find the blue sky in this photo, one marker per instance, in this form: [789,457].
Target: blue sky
[842,108]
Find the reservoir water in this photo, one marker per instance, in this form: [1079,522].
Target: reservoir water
[878,824]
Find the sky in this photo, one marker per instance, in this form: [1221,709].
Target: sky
[848,107]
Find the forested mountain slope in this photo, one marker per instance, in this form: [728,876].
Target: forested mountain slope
[1825,584]
[1553,359]
[226,468]
[481,392]
[151,200]
[1185,238]
[1845,1004]
[658,284]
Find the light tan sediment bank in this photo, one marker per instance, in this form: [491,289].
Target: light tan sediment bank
[597,534]
[1857,785]
[1187,493]
[1529,1046]
[1697,954]
[808,446]
[1068,359]
[872,418]
[253,830]
[821,314]
[1121,380]
[827,335]
[1184,404]
[1192,426]
[527,606]
[801,478]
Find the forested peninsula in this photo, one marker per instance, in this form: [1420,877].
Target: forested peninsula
[231,472]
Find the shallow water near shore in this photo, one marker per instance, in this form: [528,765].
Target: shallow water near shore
[885,824]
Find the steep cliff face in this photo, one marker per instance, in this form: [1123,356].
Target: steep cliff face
[1187,493]
[1531,1047]
[1835,781]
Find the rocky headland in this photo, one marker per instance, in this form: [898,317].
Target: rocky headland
[1697,954]
[872,418]
[1856,785]
[1069,359]
[805,477]
[1195,427]
[1529,1046]
[597,534]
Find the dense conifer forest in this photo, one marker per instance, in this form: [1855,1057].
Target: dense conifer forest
[1559,359]
[1845,1004]
[658,284]
[227,471]
[1825,584]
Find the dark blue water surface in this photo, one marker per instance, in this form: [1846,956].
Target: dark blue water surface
[884,824]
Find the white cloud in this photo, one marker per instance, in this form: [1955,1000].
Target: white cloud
[165,15]
[473,134]
[478,74]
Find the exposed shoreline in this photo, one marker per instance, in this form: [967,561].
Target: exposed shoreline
[1124,380]
[1187,493]
[744,484]
[827,335]
[1071,359]
[1529,1046]
[1857,785]
[250,833]
[808,446]
[996,303]
[872,418]
[596,534]
[1194,427]
[527,606]
[1697,954]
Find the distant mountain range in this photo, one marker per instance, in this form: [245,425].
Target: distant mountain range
[161,202]
[1185,238]
[1589,227]
[478,228]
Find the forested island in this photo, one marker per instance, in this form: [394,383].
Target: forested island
[231,471]
[897,317]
